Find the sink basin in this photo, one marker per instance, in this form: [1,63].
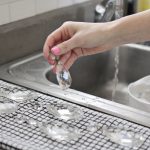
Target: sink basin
[94,74]
[92,78]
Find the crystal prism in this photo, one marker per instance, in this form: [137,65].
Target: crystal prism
[60,132]
[63,77]
[124,137]
[7,106]
[65,112]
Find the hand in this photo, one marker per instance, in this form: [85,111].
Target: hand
[75,39]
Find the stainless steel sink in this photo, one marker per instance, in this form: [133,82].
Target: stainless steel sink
[92,79]
[94,74]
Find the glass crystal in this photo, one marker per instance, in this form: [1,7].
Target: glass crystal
[7,106]
[60,132]
[21,96]
[65,112]
[124,137]
[2,92]
[63,77]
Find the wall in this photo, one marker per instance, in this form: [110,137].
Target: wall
[13,10]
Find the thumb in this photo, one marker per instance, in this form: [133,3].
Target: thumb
[64,47]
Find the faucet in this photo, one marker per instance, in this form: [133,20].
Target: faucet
[112,10]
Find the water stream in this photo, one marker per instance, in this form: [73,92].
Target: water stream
[118,15]
[115,80]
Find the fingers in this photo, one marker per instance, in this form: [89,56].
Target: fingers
[67,60]
[64,43]
[54,38]
[65,57]
[64,47]
[71,60]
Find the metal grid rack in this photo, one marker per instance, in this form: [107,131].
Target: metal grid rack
[15,136]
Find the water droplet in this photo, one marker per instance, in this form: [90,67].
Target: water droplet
[65,113]
[92,126]
[37,106]
[124,137]
[32,122]
[63,77]
[61,132]
[20,118]
[66,94]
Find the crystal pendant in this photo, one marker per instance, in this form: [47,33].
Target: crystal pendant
[124,137]
[63,76]
[65,112]
[60,132]
[7,106]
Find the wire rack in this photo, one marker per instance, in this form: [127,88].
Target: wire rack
[15,136]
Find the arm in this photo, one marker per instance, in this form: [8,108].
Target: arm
[75,39]
[132,29]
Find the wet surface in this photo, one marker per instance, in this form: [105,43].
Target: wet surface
[45,122]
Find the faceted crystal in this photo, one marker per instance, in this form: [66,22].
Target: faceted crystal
[124,137]
[21,96]
[7,106]
[66,112]
[63,77]
[60,132]
[2,92]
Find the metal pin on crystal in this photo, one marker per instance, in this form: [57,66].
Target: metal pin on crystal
[62,74]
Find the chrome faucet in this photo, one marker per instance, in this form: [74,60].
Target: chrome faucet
[112,10]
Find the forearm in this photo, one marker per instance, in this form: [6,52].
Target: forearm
[132,29]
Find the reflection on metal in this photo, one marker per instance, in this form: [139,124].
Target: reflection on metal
[13,72]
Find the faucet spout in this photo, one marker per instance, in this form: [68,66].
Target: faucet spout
[113,9]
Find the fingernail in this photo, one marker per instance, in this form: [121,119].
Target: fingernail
[55,50]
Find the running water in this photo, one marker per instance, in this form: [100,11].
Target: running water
[115,80]
[118,14]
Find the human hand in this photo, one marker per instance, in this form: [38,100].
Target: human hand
[75,39]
